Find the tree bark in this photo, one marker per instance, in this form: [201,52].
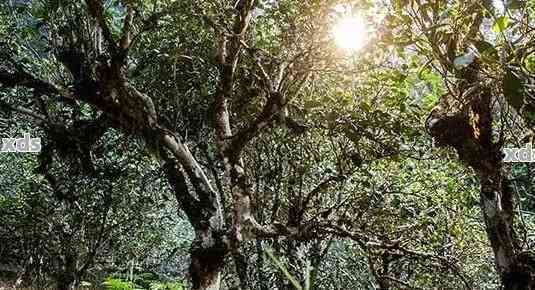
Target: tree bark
[242,265]
[209,248]
[515,266]
[469,130]
[208,253]
[68,279]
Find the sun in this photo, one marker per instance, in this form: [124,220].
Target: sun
[350,33]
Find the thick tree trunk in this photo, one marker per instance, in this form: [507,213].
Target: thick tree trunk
[515,267]
[242,265]
[68,279]
[210,246]
[134,113]
[66,282]
[470,131]
[208,253]
[472,137]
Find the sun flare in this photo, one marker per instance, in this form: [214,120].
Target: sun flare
[350,33]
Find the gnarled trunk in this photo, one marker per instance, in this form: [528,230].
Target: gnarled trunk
[515,267]
[66,282]
[208,253]
[210,246]
[68,278]
[469,129]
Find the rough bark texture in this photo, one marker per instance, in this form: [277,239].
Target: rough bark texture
[209,248]
[242,267]
[103,83]
[208,253]
[467,127]
[133,112]
[68,278]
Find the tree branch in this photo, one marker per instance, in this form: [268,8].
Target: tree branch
[23,79]
[96,10]
[126,38]
[24,111]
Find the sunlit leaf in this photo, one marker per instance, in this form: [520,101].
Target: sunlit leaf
[486,49]
[515,4]
[501,24]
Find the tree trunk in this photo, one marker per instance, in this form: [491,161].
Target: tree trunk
[515,267]
[69,278]
[208,253]
[242,265]
[66,282]
[471,134]
[210,246]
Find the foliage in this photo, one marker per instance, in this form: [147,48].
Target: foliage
[289,162]
[119,284]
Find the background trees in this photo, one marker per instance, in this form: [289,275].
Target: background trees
[295,162]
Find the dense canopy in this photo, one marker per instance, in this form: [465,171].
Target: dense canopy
[267,144]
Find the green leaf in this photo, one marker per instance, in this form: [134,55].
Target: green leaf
[501,24]
[513,90]
[365,106]
[486,49]
[529,63]
[515,4]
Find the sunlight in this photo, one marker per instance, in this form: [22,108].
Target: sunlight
[350,33]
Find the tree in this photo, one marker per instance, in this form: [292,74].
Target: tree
[466,115]
[270,136]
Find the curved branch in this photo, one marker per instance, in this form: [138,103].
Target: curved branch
[24,79]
